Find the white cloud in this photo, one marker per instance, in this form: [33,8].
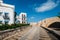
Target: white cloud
[47,6]
[32,17]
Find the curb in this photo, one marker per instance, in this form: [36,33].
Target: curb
[53,32]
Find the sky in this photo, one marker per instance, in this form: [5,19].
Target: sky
[36,10]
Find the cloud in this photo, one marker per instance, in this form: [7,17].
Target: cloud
[32,17]
[49,5]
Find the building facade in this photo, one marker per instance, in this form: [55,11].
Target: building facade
[6,13]
[22,18]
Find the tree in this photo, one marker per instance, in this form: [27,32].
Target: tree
[15,13]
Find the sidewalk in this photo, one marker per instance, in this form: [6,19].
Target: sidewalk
[57,32]
[17,35]
[44,35]
[53,32]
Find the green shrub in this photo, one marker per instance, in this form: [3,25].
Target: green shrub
[13,26]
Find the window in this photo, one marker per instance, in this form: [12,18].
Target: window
[0,22]
[6,16]
[23,16]
[24,22]
[0,13]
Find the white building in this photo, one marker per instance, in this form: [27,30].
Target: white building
[22,18]
[6,13]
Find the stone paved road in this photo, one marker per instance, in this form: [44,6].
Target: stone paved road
[44,35]
[33,34]
[18,34]
[36,33]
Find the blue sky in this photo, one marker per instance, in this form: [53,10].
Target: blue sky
[36,9]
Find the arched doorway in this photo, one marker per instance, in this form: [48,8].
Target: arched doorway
[54,25]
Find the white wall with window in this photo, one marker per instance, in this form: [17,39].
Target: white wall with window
[6,13]
[23,18]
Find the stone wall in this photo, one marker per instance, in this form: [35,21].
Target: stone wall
[48,21]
